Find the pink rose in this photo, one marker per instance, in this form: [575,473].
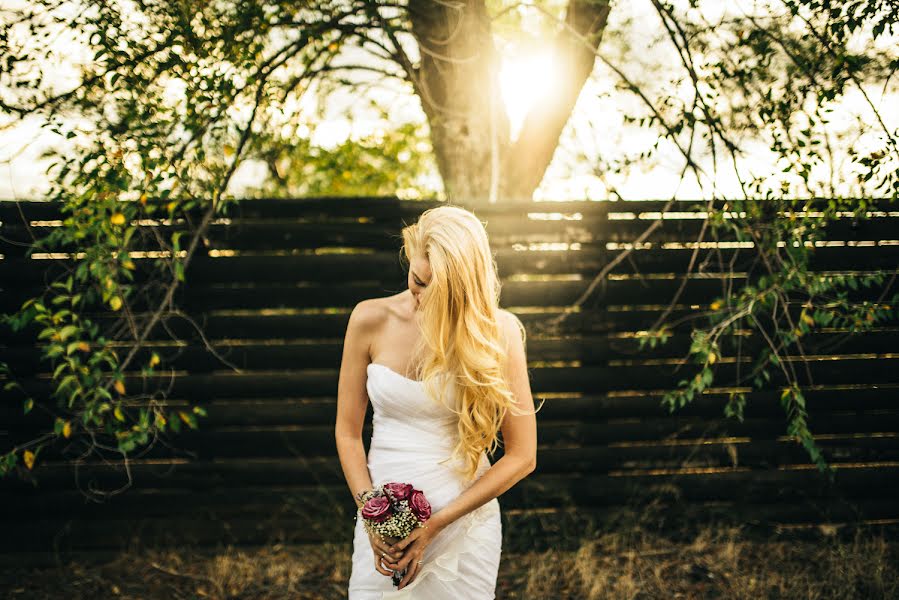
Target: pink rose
[420,506]
[377,509]
[400,491]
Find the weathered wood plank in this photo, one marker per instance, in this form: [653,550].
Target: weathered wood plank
[504,230]
[790,484]
[587,350]
[315,441]
[387,266]
[633,291]
[296,410]
[391,207]
[871,370]
[313,325]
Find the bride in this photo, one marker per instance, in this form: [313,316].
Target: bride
[445,370]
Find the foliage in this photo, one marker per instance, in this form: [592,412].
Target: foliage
[172,101]
[385,163]
[90,401]
[782,301]
[779,78]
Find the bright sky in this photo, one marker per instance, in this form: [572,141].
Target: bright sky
[596,131]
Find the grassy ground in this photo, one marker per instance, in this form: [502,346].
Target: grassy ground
[712,562]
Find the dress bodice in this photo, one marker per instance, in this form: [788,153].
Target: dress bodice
[405,417]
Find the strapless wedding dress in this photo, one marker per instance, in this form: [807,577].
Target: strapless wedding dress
[411,434]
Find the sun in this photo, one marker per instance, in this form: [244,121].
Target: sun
[524,78]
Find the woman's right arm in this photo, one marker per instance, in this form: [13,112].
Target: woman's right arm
[352,398]
[352,402]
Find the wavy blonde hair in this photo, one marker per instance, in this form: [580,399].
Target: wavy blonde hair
[461,336]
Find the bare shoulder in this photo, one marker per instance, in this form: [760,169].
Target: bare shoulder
[512,327]
[370,316]
[367,313]
[509,320]
[365,319]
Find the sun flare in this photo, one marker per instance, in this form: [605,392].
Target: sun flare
[524,78]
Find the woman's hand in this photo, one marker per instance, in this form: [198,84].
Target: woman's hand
[413,549]
[382,552]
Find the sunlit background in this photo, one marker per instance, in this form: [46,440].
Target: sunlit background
[596,133]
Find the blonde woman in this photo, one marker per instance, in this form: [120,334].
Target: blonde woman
[445,371]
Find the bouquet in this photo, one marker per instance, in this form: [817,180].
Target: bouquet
[392,511]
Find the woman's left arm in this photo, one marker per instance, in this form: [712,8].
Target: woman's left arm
[519,439]
[519,456]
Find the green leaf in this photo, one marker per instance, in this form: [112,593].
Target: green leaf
[67,331]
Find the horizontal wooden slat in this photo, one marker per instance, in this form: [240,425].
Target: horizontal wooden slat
[392,207]
[386,265]
[586,457]
[638,292]
[223,504]
[303,440]
[546,490]
[330,325]
[294,409]
[587,350]
[586,379]
[266,235]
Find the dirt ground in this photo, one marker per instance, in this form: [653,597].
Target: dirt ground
[714,562]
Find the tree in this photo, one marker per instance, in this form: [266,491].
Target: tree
[219,64]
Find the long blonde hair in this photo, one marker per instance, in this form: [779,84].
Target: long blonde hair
[461,336]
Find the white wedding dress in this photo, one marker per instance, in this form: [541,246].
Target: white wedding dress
[411,434]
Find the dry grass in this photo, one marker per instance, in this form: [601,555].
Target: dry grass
[295,572]
[715,562]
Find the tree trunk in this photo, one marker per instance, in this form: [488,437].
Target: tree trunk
[457,80]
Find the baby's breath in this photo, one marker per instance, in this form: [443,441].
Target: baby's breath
[399,524]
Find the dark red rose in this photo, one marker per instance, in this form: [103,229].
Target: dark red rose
[377,509]
[420,506]
[400,491]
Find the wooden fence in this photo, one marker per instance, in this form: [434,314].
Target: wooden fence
[272,290]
